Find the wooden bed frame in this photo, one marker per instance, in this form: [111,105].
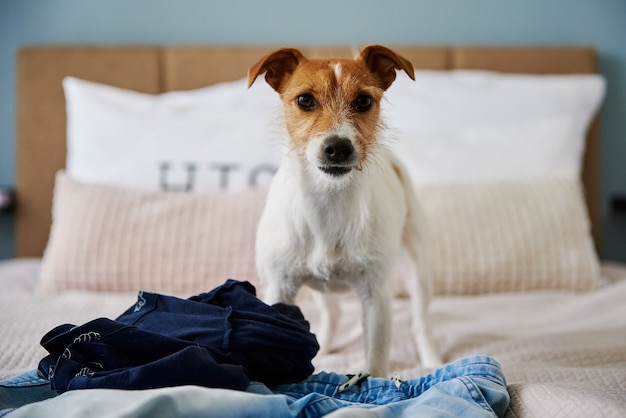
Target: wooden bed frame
[41,125]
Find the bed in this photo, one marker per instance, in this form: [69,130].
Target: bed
[116,195]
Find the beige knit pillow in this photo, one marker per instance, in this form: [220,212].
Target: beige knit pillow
[483,237]
[113,239]
[509,236]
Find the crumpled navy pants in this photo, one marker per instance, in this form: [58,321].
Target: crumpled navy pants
[223,339]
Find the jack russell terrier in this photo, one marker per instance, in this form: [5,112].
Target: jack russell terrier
[341,207]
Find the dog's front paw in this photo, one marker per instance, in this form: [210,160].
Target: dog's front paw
[428,352]
[431,362]
[429,355]
[324,347]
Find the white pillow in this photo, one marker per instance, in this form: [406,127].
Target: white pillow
[445,126]
[477,125]
[222,137]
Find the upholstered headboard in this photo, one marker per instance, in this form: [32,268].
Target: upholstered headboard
[41,125]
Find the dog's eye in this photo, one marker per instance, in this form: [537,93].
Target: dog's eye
[306,102]
[363,103]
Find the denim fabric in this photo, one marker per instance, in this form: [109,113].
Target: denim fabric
[470,387]
[474,386]
[222,339]
[23,389]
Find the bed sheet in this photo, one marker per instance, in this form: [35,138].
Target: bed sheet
[563,353]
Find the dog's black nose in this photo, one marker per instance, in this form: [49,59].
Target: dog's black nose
[337,149]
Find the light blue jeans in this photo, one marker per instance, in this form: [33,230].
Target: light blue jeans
[470,387]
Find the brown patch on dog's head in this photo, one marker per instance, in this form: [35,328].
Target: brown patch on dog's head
[332,97]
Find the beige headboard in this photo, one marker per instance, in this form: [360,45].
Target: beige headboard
[153,69]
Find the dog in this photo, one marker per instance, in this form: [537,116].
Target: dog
[341,206]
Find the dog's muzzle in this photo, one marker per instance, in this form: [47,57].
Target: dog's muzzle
[337,156]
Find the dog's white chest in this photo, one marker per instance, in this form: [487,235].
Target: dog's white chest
[330,238]
[333,248]
[326,241]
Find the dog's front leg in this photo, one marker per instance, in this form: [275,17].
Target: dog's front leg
[329,314]
[277,290]
[419,286]
[376,305]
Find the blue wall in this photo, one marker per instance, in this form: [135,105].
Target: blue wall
[600,23]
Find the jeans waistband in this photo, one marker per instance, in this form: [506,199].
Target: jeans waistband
[383,391]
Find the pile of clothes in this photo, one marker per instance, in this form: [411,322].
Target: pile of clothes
[167,356]
[220,339]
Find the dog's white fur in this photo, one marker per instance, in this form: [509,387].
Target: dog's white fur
[340,232]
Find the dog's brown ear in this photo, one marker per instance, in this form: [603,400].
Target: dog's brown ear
[276,66]
[383,62]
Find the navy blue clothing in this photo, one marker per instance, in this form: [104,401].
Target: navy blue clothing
[222,338]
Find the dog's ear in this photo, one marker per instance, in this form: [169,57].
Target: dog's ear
[383,62]
[277,66]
